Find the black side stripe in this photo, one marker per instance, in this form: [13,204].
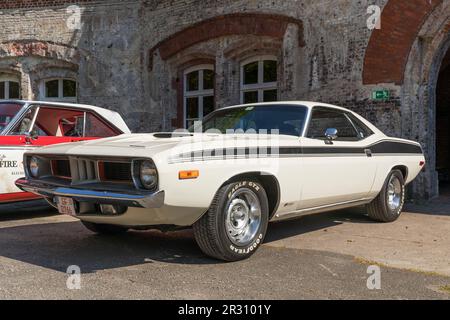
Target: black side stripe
[395,147]
[382,147]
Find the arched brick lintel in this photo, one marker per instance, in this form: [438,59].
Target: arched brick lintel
[388,49]
[259,24]
[45,49]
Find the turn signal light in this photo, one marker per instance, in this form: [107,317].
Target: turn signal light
[188,174]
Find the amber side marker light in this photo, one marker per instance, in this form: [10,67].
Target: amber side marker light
[188,174]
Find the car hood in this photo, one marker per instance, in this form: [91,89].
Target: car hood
[138,145]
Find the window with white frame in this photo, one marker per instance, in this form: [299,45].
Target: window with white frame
[64,90]
[259,80]
[198,93]
[9,87]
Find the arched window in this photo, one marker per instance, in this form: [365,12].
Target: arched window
[198,93]
[64,90]
[9,87]
[259,80]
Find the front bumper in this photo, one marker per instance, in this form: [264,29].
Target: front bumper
[128,199]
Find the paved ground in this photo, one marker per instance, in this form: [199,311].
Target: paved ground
[321,256]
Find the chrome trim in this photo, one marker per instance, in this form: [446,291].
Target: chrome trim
[139,200]
[320,209]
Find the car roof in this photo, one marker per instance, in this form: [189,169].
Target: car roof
[308,104]
[111,116]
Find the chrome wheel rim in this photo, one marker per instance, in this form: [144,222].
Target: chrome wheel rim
[243,217]
[394,193]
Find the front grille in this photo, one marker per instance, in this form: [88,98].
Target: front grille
[116,171]
[61,169]
[83,170]
[86,170]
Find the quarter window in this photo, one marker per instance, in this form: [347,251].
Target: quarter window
[324,118]
[362,130]
[259,80]
[59,90]
[198,93]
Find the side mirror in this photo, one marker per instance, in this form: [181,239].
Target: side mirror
[331,134]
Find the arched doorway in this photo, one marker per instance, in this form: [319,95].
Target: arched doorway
[443,125]
[408,55]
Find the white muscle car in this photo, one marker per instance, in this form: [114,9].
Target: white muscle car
[231,174]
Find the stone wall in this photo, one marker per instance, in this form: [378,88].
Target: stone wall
[130,55]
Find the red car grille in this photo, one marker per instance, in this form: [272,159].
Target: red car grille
[61,169]
[115,172]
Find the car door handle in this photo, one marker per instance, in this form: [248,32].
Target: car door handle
[368,152]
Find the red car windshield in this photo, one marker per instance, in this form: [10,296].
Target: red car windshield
[7,113]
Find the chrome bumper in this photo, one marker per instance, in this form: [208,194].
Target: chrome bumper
[140,200]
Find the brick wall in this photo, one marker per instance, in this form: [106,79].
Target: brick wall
[31,4]
[389,47]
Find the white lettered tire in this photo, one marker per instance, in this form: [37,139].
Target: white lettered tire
[236,223]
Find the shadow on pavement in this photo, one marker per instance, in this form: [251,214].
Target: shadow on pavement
[439,207]
[25,210]
[59,245]
[318,221]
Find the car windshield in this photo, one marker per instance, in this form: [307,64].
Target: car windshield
[287,119]
[7,113]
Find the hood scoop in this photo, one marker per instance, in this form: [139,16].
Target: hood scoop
[167,135]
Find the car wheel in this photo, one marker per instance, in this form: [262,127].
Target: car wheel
[104,228]
[388,205]
[236,223]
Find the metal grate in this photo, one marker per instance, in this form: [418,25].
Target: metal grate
[117,171]
[83,170]
[61,169]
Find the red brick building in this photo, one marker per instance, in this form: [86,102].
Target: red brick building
[163,64]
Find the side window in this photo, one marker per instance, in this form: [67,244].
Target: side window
[24,125]
[324,118]
[72,126]
[363,130]
[97,128]
[57,122]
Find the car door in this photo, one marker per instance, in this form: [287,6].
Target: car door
[12,147]
[336,171]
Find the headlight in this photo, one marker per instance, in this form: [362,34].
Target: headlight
[148,174]
[34,167]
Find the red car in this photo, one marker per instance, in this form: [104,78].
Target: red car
[26,125]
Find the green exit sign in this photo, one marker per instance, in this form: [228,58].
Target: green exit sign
[381,95]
